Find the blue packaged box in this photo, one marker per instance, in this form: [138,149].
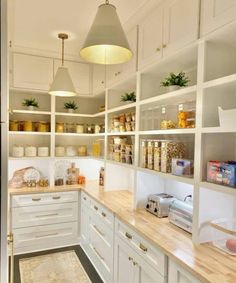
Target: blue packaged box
[229,173]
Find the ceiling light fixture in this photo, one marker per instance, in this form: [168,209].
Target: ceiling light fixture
[62,84]
[106,42]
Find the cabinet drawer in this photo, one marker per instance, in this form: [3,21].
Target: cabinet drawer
[44,214]
[46,198]
[103,214]
[85,199]
[152,255]
[48,235]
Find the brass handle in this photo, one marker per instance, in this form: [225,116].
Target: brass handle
[36,199]
[135,263]
[99,232]
[142,247]
[164,45]
[58,197]
[95,207]
[130,258]
[84,198]
[102,82]
[128,235]
[46,215]
[46,235]
[158,49]
[104,214]
[102,258]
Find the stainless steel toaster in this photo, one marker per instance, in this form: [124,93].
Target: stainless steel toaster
[158,204]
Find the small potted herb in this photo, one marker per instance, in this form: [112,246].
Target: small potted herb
[30,103]
[175,81]
[71,106]
[128,97]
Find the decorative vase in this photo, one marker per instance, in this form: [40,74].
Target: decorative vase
[30,108]
[71,110]
[173,87]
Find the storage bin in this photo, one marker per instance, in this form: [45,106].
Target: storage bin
[224,234]
[227,118]
[182,167]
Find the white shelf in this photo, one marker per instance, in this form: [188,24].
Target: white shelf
[29,133]
[31,112]
[131,166]
[30,158]
[100,114]
[121,108]
[218,188]
[180,93]
[55,158]
[26,90]
[79,135]
[168,132]
[217,130]
[168,176]
[220,81]
[121,134]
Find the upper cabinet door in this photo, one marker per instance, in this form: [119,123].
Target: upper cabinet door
[216,13]
[150,37]
[98,78]
[80,74]
[181,24]
[32,72]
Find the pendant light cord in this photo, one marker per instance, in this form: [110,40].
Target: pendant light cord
[62,57]
[107,2]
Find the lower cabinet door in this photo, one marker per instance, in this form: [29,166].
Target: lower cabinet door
[84,226]
[177,274]
[124,271]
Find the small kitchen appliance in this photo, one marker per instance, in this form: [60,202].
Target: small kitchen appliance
[158,204]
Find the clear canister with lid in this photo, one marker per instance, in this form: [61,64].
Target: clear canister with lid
[60,127]
[150,155]
[79,128]
[28,126]
[42,126]
[18,151]
[143,154]
[14,125]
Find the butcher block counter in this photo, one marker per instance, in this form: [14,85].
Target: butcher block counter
[203,261]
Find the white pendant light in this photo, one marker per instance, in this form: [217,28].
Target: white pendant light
[106,42]
[62,84]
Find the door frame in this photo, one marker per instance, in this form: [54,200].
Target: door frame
[4,269]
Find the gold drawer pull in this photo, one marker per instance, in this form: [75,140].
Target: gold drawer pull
[130,258]
[102,258]
[36,199]
[104,214]
[164,45]
[46,215]
[135,263]
[84,198]
[46,235]
[142,247]
[57,197]
[99,232]
[95,207]
[128,235]
[158,49]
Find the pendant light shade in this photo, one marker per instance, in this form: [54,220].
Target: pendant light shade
[62,84]
[106,42]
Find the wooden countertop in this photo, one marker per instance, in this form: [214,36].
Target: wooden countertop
[203,261]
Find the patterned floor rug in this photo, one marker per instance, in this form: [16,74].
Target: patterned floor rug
[62,267]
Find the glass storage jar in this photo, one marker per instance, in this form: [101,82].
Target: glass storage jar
[28,126]
[60,127]
[14,125]
[42,126]
[96,149]
[79,128]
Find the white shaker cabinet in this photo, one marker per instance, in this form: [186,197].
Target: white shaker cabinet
[180,28]
[151,37]
[120,71]
[80,74]
[216,13]
[31,72]
[177,274]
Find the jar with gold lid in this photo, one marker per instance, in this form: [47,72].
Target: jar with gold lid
[14,125]
[59,127]
[42,126]
[28,126]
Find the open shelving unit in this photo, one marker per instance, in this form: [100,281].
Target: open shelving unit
[210,64]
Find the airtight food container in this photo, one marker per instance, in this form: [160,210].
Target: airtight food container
[224,234]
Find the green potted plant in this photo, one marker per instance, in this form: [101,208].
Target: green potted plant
[30,103]
[71,106]
[128,97]
[175,81]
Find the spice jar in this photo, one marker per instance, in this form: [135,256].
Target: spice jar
[97,129]
[70,127]
[28,126]
[17,151]
[79,128]
[14,125]
[42,126]
[59,127]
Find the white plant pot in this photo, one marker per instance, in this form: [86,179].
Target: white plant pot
[70,110]
[173,87]
[30,108]
[128,102]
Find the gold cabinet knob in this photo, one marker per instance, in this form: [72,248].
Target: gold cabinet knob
[164,45]
[158,49]
[130,258]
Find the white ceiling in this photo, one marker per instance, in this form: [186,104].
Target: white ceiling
[34,24]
